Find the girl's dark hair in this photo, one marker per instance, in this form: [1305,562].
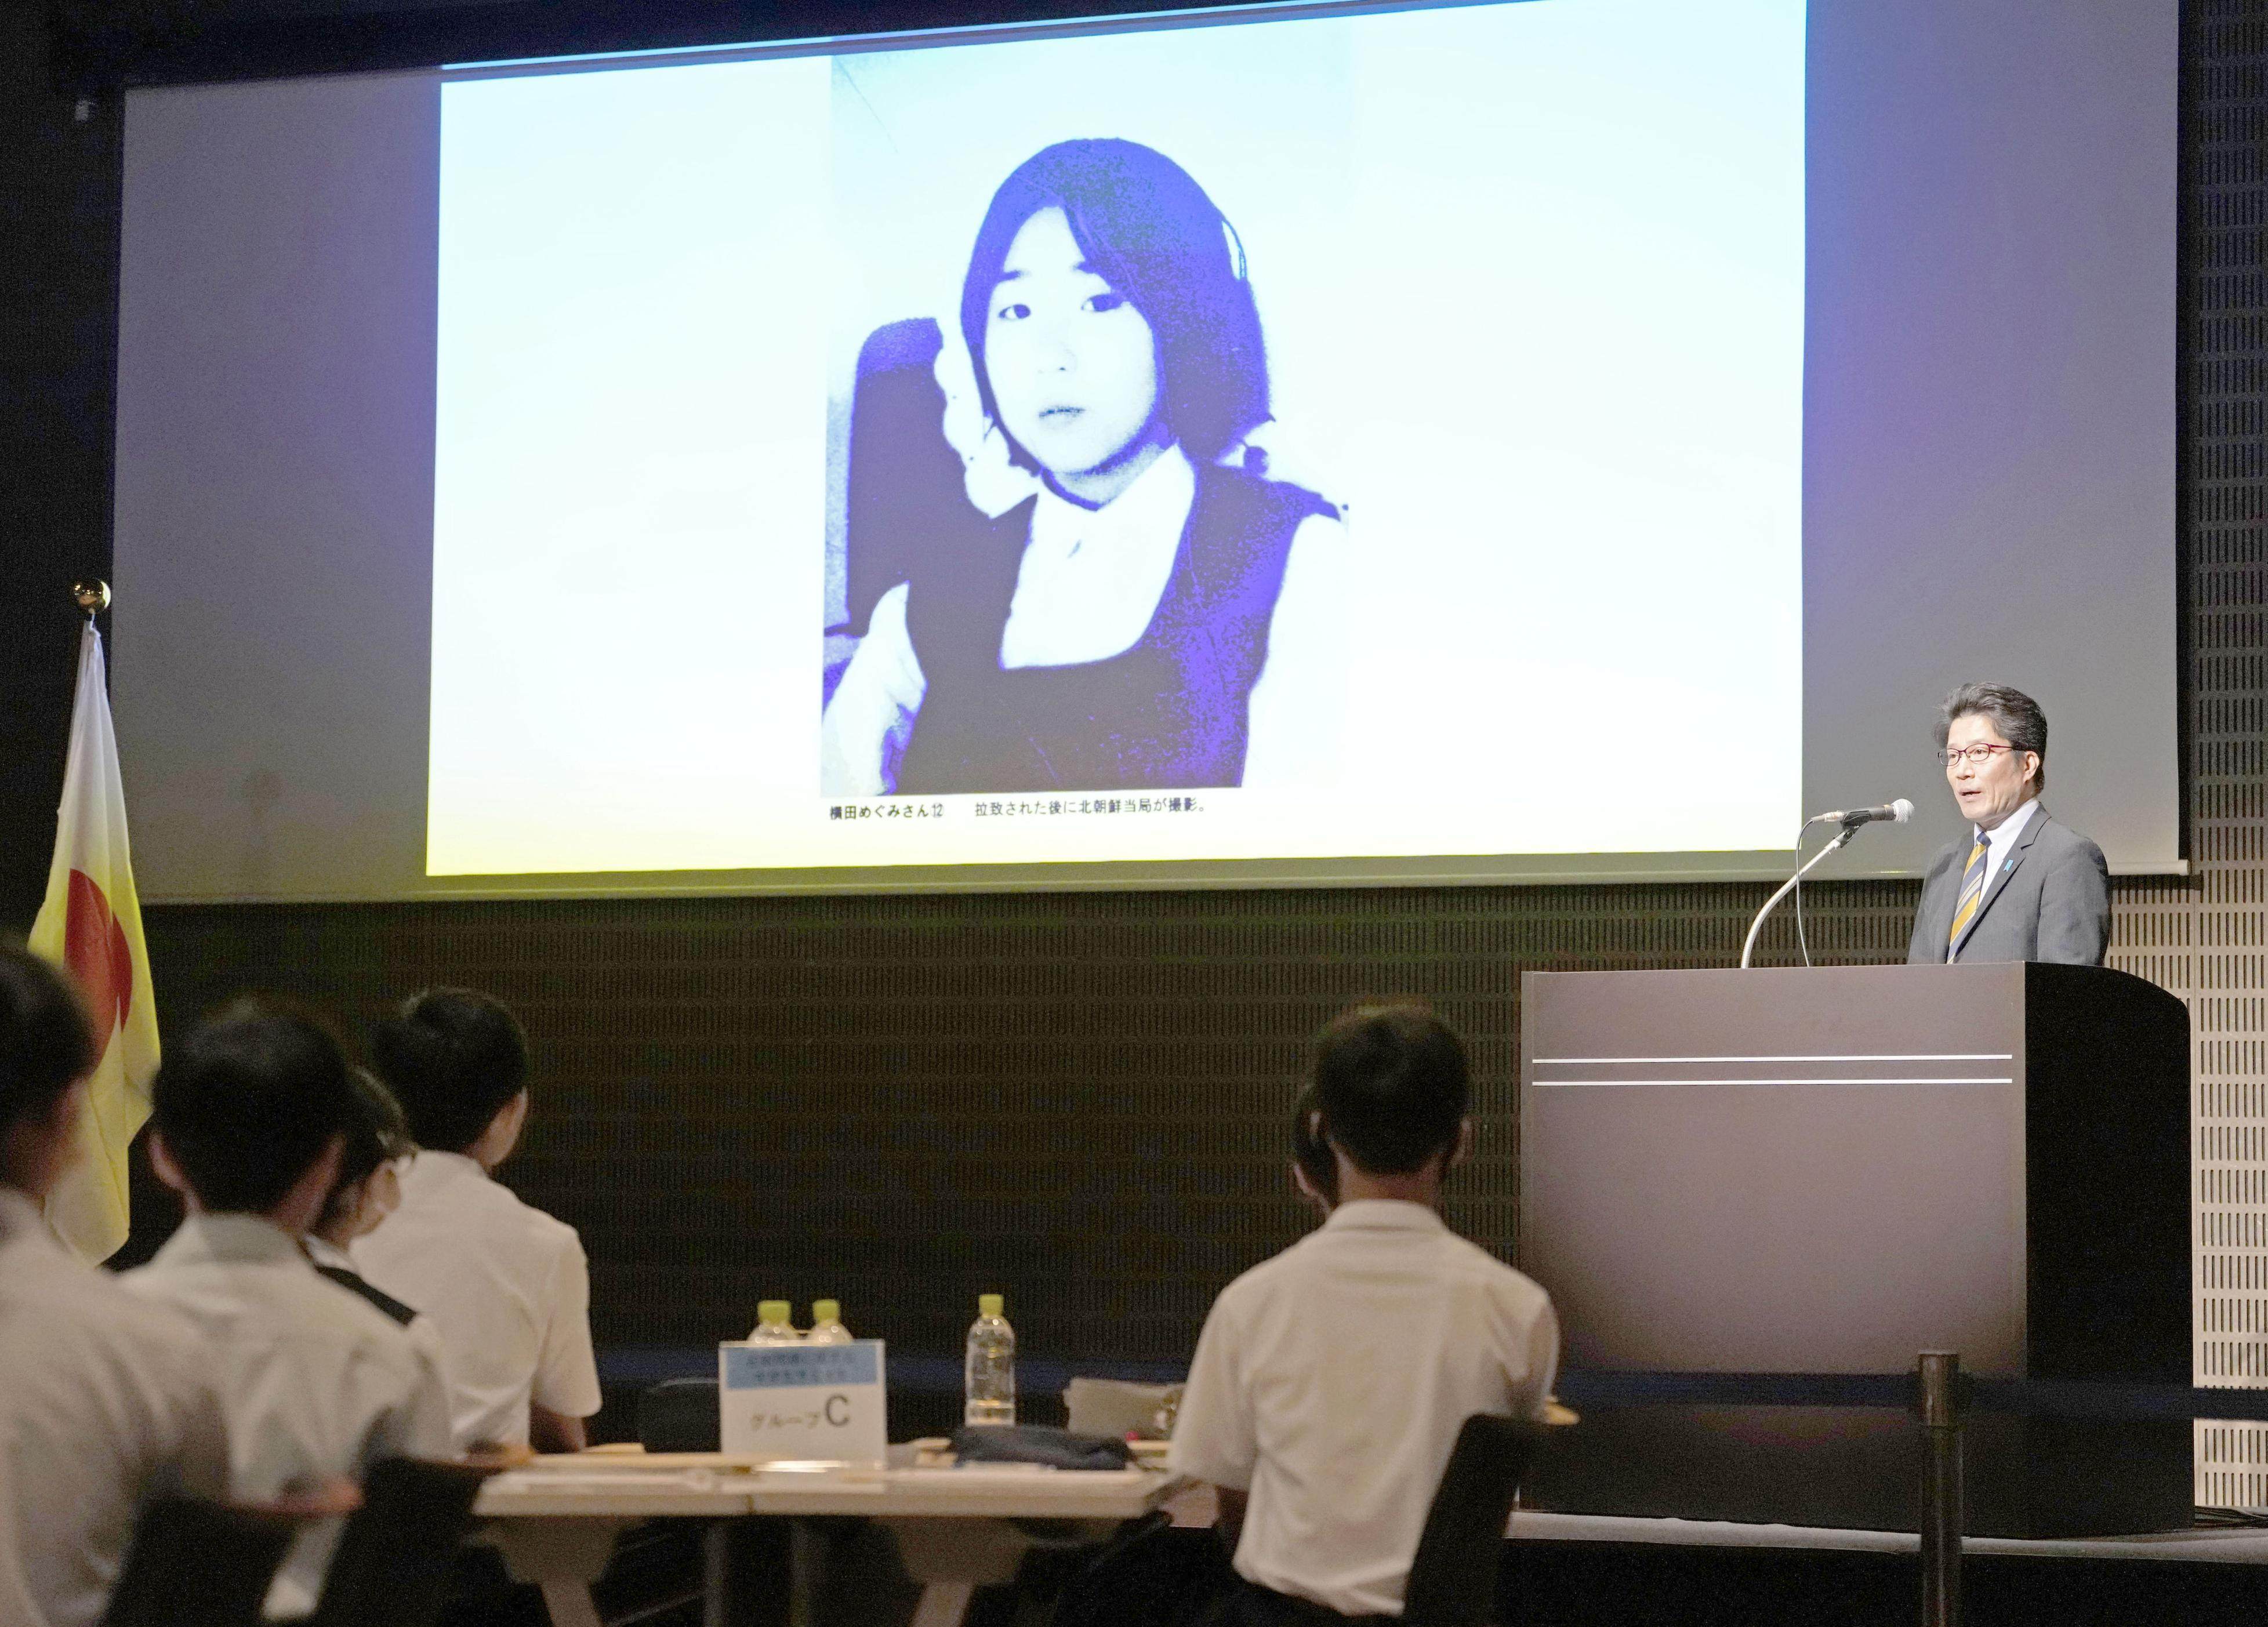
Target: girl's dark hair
[452,1059]
[1149,231]
[378,1132]
[248,1099]
[1393,1085]
[45,1045]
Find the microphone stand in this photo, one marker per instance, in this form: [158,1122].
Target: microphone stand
[1787,887]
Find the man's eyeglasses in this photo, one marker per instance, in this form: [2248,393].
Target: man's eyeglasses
[1976,755]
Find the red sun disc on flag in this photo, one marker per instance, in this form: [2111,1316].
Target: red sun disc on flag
[95,949]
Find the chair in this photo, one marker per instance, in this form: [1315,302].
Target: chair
[1151,1573]
[198,1565]
[1452,1578]
[392,1564]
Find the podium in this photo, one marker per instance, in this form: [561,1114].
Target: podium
[1826,1171]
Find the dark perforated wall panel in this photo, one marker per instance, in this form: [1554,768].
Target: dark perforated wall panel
[1079,1099]
[2208,941]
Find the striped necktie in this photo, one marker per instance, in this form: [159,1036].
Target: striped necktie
[1972,893]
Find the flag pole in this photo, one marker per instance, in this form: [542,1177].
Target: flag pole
[94,597]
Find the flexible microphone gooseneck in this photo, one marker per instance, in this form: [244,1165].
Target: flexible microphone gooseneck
[1895,812]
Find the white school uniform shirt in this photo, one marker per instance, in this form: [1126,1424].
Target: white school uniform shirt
[1331,1381]
[105,1403]
[328,1256]
[319,1383]
[508,1285]
[1087,588]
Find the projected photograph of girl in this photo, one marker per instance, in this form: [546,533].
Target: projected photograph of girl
[1065,560]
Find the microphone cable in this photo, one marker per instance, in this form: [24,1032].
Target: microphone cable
[1802,944]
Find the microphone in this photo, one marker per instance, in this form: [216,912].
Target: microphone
[1894,812]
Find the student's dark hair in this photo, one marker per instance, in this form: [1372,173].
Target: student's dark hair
[2014,716]
[248,1099]
[47,1044]
[1149,231]
[1310,1152]
[1392,1082]
[379,1133]
[453,1058]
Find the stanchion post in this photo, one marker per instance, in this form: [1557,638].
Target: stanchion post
[1940,1374]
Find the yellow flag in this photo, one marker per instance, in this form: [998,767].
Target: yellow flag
[91,922]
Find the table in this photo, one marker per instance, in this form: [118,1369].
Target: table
[556,1520]
[2219,1544]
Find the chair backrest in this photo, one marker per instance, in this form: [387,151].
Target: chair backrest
[1452,1578]
[393,1563]
[198,1565]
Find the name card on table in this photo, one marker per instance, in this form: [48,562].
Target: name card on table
[802,1401]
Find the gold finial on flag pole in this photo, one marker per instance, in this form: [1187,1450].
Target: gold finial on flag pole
[92,597]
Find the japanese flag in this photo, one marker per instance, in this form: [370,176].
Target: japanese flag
[92,922]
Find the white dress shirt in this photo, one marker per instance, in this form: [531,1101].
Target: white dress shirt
[106,1402]
[1088,584]
[508,1285]
[319,1383]
[1331,1382]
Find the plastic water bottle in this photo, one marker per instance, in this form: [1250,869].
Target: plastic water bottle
[827,1324]
[990,1370]
[772,1324]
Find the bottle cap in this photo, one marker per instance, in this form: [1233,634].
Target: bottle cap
[989,1304]
[769,1311]
[826,1310]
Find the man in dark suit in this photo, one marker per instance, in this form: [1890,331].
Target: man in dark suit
[2019,886]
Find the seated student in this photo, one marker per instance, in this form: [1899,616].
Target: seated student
[506,1285]
[368,1189]
[1330,1381]
[249,1113]
[106,1402]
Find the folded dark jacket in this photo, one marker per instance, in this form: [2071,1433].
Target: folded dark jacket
[1037,1443]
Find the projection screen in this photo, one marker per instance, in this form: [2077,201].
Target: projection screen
[1538,440]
